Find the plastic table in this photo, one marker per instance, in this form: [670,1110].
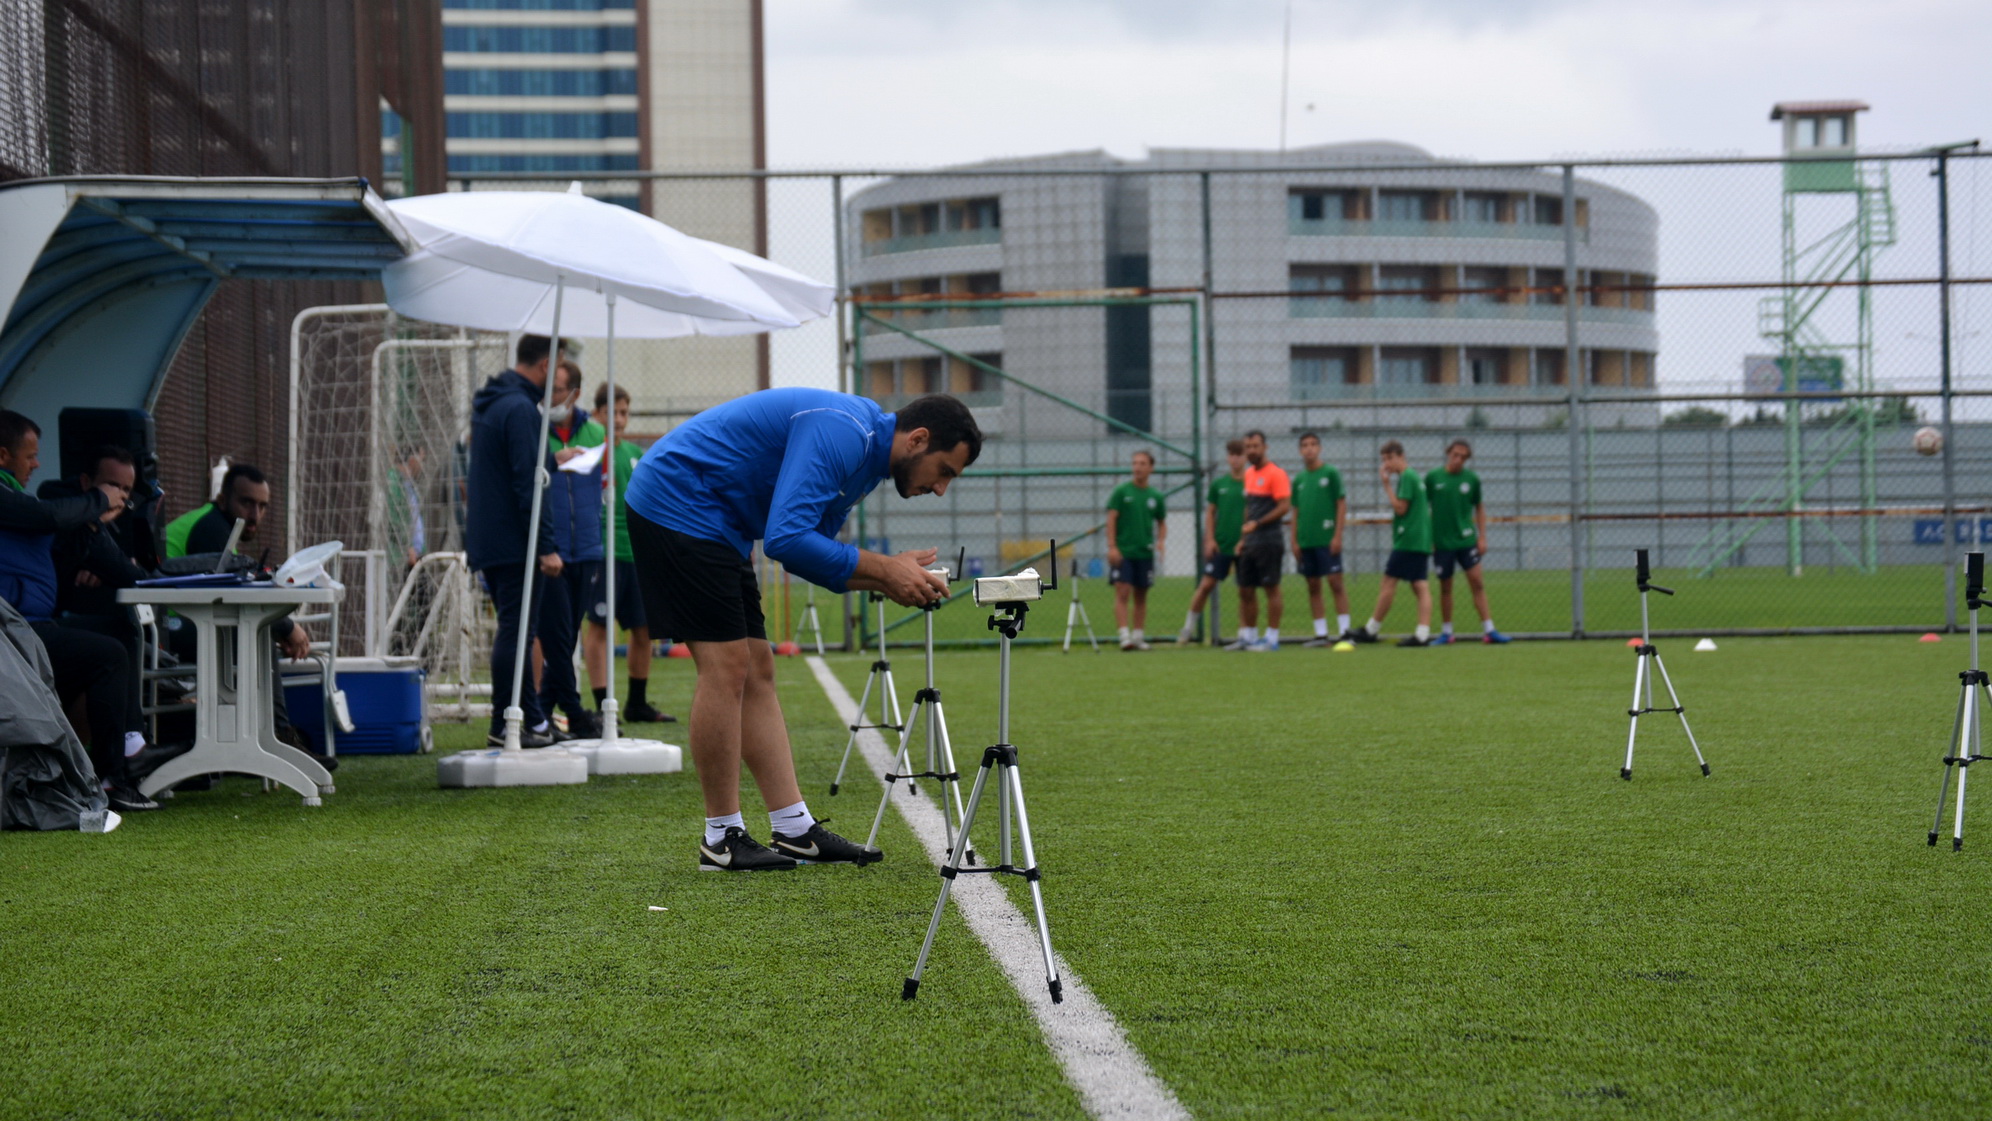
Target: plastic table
[235,713]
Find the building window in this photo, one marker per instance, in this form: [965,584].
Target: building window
[1319,373]
[1407,206]
[932,225]
[1548,288]
[1320,289]
[1482,285]
[462,165]
[541,126]
[1486,367]
[539,40]
[1482,207]
[1548,210]
[1407,366]
[1547,368]
[1319,206]
[473,82]
[1407,284]
[542,5]
[894,382]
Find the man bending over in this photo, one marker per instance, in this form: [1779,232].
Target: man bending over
[782,466]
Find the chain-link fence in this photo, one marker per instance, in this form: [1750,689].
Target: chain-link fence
[1728,362]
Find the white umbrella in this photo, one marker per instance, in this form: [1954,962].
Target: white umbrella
[549,262]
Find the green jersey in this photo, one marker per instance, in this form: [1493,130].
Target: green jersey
[626,454]
[1454,499]
[1411,531]
[178,530]
[1139,509]
[1227,494]
[1315,495]
[589,435]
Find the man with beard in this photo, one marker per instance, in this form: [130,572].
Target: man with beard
[782,466]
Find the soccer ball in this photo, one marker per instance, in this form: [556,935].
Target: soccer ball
[1928,441]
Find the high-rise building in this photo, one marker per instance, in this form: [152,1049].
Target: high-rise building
[600,86]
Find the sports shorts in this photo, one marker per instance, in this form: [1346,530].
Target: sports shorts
[1134,573]
[694,590]
[1407,566]
[629,597]
[1260,566]
[1219,566]
[1316,561]
[1445,559]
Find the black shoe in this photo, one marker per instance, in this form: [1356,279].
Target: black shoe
[740,853]
[527,738]
[1362,636]
[646,713]
[1413,640]
[127,799]
[584,725]
[820,846]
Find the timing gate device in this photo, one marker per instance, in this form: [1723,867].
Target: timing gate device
[1967,744]
[1642,680]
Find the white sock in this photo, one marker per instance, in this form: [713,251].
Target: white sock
[1123,636]
[1424,631]
[1248,634]
[1373,626]
[134,743]
[1272,636]
[1445,628]
[1189,620]
[716,827]
[542,726]
[1487,626]
[1321,628]
[791,821]
[1341,624]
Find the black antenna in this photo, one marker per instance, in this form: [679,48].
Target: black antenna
[1974,580]
[1645,576]
[1053,586]
[961,562]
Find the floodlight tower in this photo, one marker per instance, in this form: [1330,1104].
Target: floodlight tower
[1814,351]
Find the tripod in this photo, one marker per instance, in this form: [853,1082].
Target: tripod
[810,621]
[1007,620]
[1967,744]
[1642,680]
[888,699]
[927,715]
[1076,613]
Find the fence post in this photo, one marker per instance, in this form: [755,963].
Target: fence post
[847,378]
[1214,607]
[1944,384]
[1571,374]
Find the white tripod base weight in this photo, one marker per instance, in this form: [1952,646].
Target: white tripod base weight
[628,757]
[493,766]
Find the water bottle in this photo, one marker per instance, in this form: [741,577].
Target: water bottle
[101,820]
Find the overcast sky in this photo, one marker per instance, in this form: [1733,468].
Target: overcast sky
[916,82]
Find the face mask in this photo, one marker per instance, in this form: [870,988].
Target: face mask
[560,414]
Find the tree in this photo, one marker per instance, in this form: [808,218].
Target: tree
[1695,416]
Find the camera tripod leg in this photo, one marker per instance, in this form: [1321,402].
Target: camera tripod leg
[958,827]
[1967,753]
[949,871]
[1679,710]
[864,703]
[1015,790]
[1957,748]
[1632,737]
[902,767]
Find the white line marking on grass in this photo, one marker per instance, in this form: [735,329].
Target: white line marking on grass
[1112,1078]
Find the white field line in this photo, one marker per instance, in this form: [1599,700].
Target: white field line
[1112,1078]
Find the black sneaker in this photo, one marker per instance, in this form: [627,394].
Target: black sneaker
[1413,640]
[584,725]
[127,799]
[646,713]
[820,846]
[740,853]
[527,738]
[1362,635]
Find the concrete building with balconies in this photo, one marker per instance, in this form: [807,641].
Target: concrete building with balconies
[1346,273]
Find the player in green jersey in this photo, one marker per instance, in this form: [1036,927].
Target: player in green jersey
[1459,526]
[1410,546]
[1224,513]
[1136,532]
[1320,513]
[628,608]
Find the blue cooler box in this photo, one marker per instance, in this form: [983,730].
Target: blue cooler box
[387,702]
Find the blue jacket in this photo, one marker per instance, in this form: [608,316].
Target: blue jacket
[783,466]
[574,507]
[28,526]
[504,439]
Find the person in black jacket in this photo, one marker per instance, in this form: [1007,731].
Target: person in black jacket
[86,664]
[505,470]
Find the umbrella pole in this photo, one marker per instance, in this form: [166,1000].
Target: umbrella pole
[609,706]
[514,715]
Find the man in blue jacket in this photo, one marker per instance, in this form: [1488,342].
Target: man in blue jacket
[504,470]
[782,466]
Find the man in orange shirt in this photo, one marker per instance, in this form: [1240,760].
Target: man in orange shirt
[1261,546]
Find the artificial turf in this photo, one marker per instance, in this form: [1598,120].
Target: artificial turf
[1381,884]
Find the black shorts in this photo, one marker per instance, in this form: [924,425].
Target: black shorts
[1259,566]
[1219,566]
[694,590]
[1316,561]
[1134,573]
[1407,566]
[1467,558]
[629,597]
